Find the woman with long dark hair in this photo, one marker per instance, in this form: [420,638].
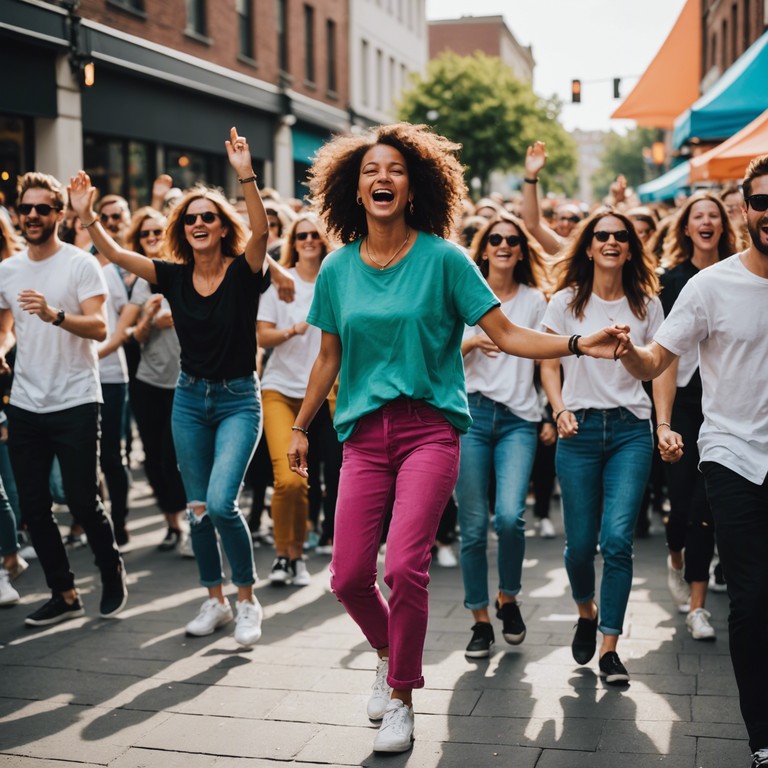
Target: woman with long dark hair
[602,416]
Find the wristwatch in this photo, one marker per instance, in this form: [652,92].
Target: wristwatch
[60,315]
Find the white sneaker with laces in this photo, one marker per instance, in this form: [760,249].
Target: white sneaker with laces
[299,574]
[760,758]
[18,569]
[445,556]
[698,624]
[185,548]
[8,595]
[679,588]
[248,622]
[396,731]
[212,615]
[546,529]
[381,693]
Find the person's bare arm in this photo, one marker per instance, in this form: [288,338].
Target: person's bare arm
[535,160]
[90,323]
[127,318]
[664,391]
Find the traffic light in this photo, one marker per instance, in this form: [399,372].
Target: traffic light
[616,87]
[575,91]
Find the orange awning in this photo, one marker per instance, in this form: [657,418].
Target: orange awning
[728,161]
[671,83]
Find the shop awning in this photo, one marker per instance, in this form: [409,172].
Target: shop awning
[728,161]
[667,185]
[670,84]
[738,97]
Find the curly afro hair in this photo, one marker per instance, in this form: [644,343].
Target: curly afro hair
[435,175]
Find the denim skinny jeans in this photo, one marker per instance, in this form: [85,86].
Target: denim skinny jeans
[216,425]
[497,440]
[605,467]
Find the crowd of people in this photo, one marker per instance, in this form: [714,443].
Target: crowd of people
[401,348]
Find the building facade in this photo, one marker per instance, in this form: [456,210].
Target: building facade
[488,34]
[167,79]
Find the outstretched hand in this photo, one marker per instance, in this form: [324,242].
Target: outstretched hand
[81,195]
[239,153]
[610,343]
[535,159]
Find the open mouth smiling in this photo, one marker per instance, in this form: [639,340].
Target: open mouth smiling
[383,196]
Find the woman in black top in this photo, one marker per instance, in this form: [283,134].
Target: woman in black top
[213,289]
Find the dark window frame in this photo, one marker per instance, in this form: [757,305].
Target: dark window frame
[310,71]
[331,39]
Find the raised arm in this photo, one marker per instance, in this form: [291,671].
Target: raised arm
[324,373]
[523,342]
[81,197]
[535,160]
[239,155]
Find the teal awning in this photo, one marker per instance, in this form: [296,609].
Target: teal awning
[737,98]
[305,144]
[666,186]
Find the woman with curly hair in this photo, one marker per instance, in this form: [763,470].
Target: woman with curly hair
[392,305]
[602,415]
[700,236]
[213,289]
[505,415]
[294,343]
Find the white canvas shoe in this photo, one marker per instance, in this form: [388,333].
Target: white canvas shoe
[396,732]
[212,615]
[698,625]
[381,694]
[248,622]
[679,588]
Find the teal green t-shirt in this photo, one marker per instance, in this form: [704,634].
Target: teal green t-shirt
[400,328]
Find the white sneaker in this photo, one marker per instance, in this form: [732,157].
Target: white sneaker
[18,569]
[248,622]
[299,574]
[445,556]
[698,624]
[28,552]
[679,588]
[213,614]
[546,529]
[396,731]
[185,548]
[381,694]
[324,549]
[8,595]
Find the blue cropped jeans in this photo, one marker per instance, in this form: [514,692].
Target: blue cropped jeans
[216,425]
[603,471]
[497,440]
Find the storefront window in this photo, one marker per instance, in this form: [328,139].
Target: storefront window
[14,151]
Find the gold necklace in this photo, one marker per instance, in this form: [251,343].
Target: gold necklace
[383,266]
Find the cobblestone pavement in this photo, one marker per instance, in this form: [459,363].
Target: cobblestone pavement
[135,692]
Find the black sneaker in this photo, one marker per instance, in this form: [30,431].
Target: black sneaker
[171,540]
[584,642]
[121,535]
[280,573]
[514,626]
[55,610]
[482,639]
[114,596]
[612,670]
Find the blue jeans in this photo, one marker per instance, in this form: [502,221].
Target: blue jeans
[604,468]
[502,441]
[8,535]
[216,425]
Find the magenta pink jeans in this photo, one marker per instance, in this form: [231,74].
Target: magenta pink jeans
[406,449]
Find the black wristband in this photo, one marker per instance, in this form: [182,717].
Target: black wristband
[530,181]
[573,345]
[249,179]
[60,315]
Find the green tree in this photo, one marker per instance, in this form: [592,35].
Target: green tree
[477,102]
[626,155]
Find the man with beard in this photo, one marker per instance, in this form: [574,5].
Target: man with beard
[51,299]
[723,310]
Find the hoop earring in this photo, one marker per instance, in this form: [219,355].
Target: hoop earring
[359,200]
[410,208]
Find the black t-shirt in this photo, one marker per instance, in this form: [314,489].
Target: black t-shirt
[217,333]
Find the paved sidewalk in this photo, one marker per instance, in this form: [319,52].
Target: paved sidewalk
[136,693]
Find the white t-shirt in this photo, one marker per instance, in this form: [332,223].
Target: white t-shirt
[290,363]
[54,369]
[507,379]
[113,368]
[602,384]
[723,311]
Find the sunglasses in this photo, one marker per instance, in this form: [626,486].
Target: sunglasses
[620,236]
[147,232]
[208,217]
[755,202]
[45,210]
[496,239]
[113,216]
[305,235]
[572,219]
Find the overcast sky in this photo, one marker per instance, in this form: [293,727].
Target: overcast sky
[594,40]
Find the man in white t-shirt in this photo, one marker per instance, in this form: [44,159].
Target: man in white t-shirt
[52,304]
[724,310]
